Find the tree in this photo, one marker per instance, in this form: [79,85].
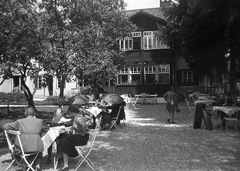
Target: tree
[204,32]
[81,38]
[19,41]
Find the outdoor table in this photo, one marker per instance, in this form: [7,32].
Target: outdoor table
[229,110]
[50,137]
[206,101]
[94,110]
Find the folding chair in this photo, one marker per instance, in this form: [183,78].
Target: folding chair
[114,120]
[84,151]
[22,159]
[190,107]
[133,102]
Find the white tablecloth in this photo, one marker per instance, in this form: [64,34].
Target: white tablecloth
[229,110]
[207,101]
[94,110]
[51,136]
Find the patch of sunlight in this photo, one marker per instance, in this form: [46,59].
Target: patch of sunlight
[106,145]
[196,160]
[161,125]
[144,119]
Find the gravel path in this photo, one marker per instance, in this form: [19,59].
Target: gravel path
[148,143]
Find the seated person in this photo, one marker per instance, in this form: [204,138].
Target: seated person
[57,119]
[107,116]
[79,137]
[31,129]
[74,110]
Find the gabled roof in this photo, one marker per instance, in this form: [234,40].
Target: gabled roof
[156,13]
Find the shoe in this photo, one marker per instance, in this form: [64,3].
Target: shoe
[65,169]
[168,120]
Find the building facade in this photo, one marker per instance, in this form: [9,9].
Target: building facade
[151,66]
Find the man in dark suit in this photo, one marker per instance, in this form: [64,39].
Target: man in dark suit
[30,133]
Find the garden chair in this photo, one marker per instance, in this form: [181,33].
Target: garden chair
[22,159]
[191,108]
[133,102]
[84,151]
[114,120]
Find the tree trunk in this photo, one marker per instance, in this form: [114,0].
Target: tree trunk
[62,85]
[27,93]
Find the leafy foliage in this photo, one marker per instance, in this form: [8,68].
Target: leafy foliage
[81,38]
[19,40]
[201,32]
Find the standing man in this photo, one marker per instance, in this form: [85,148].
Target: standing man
[171,98]
[30,129]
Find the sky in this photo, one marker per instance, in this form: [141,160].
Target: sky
[140,4]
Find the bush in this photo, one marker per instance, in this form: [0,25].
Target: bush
[55,100]
[12,97]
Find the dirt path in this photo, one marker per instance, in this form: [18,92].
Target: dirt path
[148,142]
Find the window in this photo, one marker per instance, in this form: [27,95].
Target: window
[39,82]
[126,44]
[187,76]
[124,71]
[150,41]
[136,34]
[164,74]
[123,79]
[135,70]
[150,70]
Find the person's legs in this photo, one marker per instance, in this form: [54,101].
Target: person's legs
[65,160]
[169,116]
[172,117]
[49,154]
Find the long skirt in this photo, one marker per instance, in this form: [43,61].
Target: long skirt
[68,144]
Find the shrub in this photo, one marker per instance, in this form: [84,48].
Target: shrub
[12,97]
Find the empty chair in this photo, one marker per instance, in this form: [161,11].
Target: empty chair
[191,108]
[133,102]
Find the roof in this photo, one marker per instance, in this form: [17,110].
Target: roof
[154,12]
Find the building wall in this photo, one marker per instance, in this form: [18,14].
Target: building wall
[7,87]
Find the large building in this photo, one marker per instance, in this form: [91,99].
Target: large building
[151,66]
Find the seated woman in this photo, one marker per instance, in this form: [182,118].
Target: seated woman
[78,137]
[57,119]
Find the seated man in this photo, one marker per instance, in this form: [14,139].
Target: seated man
[30,133]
